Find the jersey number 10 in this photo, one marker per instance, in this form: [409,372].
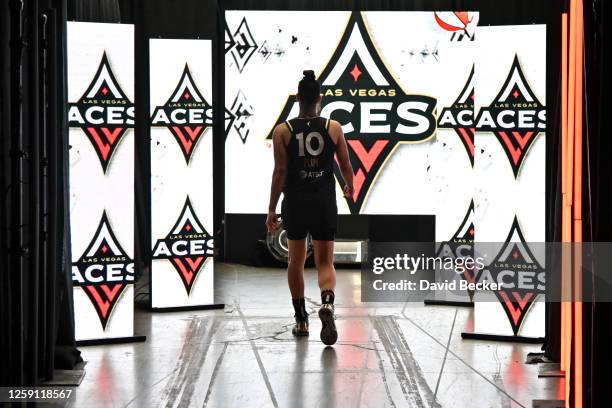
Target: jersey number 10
[308,143]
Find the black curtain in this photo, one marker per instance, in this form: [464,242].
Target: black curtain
[101,11]
[36,315]
[597,198]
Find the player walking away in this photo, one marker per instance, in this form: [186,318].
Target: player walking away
[304,149]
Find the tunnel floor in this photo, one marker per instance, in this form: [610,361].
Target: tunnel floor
[387,355]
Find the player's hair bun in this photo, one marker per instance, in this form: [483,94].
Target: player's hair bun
[309,74]
[308,88]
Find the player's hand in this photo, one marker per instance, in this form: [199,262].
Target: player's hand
[348,191]
[272,221]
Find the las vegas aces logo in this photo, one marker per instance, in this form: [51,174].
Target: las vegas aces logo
[103,271]
[186,114]
[460,116]
[516,117]
[103,112]
[519,274]
[188,246]
[461,245]
[375,113]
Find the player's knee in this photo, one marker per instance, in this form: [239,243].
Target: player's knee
[324,262]
[297,259]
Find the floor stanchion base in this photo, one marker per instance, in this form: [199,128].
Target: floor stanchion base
[111,340]
[187,308]
[498,337]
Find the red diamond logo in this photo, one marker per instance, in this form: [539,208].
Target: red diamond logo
[355,72]
[187,96]
[515,94]
[105,91]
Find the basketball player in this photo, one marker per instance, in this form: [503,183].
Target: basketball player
[304,149]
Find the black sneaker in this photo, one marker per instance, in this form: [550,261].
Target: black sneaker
[300,328]
[329,334]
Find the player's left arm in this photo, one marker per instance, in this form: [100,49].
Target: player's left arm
[278,175]
[342,154]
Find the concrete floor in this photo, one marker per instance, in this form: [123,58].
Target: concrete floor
[387,355]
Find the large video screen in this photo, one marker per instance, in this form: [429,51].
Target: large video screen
[386,77]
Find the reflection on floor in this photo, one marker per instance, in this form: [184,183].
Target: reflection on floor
[387,355]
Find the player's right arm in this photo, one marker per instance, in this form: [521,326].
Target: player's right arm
[278,175]
[342,154]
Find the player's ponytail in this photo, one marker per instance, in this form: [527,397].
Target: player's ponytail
[308,88]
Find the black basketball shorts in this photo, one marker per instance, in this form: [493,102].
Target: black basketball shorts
[316,214]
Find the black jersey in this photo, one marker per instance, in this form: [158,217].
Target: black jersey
[310,153]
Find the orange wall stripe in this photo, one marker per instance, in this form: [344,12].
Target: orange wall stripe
[571,98]
[577,204]
[565,227]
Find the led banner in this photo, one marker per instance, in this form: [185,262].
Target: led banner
[451,157]
[100,120]
[510,84]
[181,173]
[385,77]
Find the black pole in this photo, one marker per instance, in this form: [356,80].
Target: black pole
[5,109]
[32,206]
[218,74]
[14,211]
[53,245]
[66,332]
[41,266]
